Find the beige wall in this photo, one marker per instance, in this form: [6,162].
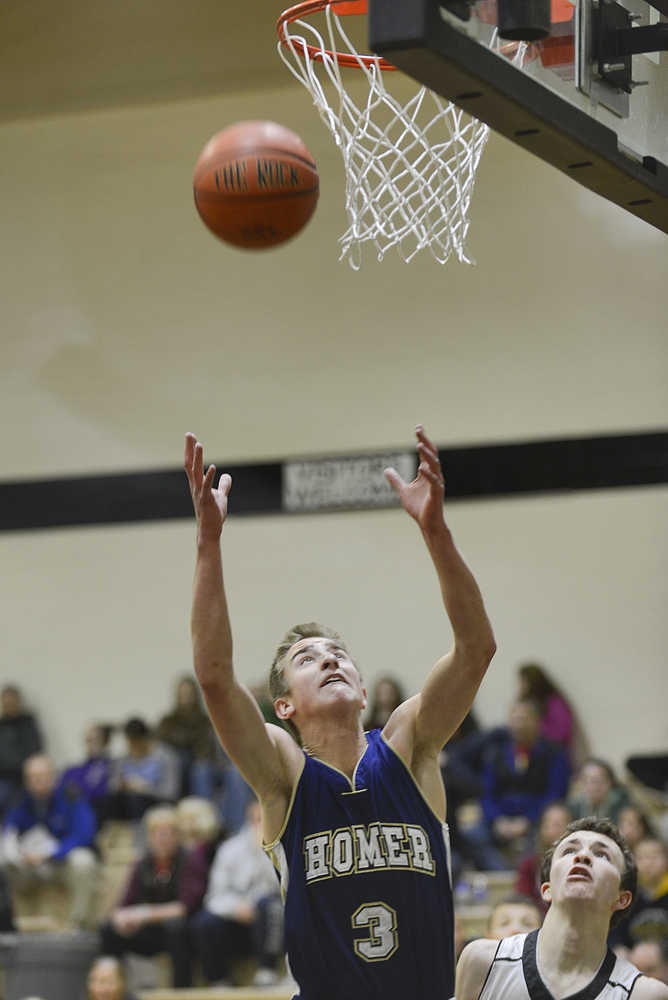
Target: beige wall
[124,324]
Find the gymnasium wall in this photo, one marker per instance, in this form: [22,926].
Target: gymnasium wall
[126,324]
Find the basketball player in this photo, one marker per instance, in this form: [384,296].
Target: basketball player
[588,878]
[354,822]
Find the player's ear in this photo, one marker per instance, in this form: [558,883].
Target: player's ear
[546,892]
[623,900]
[284,708]
[364,696]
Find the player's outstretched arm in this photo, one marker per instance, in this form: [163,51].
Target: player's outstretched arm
[451,686]
[255,748]
[472,968]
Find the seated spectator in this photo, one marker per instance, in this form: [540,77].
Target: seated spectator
[91,777]
[552,825]
[105,980]
[522,773]
[647,917]
[48,837]
[651,957]
[19,739]
[165,887]
[651,918]
[205,769]
[187,729]
[597,792]
[633,825]
[515,914]
[460,762]
[148,775]
[243,911]
[556,714]
[199,827]
[386,695]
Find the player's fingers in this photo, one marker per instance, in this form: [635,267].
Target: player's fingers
[394,479]
[207,482]
[429,453]
[198,463]
[225,483]
[431,475]
[188,452]
[423,437]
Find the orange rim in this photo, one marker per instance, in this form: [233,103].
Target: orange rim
[346,7]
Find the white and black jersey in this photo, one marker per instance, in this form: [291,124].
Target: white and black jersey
[514,975]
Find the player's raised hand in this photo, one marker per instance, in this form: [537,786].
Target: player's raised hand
[423,497]
[210,503]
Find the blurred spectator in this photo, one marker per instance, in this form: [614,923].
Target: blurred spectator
[461,767]
[647,917]
[106,981]
[633,825]
[522,773]
[146,776]
[243,911]
[552,826]
[651,957]
[91,777]
[386,695]
[48,837]
[598,793]
[19,739]
[166,886]
[555,711]
[205,769]
[199,827]
[515,914]
[651,919]
[6,908]
[188,731]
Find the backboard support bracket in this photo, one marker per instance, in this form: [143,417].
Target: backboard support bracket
[425,45]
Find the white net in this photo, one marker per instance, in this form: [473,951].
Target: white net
[410,168]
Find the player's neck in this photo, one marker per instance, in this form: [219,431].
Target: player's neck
[340,746]
[571,947]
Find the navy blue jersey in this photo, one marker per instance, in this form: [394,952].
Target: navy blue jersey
[365,873]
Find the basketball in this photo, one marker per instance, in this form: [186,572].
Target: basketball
[255,184]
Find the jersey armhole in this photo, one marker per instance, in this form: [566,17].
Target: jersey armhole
[489,971]
[288,812]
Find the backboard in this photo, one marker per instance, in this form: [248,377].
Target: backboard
[589,97]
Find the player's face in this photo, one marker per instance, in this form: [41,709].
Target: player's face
[513,918]
[320,673]
[587,866]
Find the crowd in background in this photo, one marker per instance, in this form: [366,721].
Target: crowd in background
[201,888]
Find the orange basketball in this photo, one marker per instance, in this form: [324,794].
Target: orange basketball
[255,184]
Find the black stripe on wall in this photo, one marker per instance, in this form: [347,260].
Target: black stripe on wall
[496,470]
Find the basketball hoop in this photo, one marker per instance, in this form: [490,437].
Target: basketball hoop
[410,168]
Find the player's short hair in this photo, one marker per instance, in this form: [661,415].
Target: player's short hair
[278,685]
[629,879]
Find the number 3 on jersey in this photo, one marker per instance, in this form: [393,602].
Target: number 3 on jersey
[381,922]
